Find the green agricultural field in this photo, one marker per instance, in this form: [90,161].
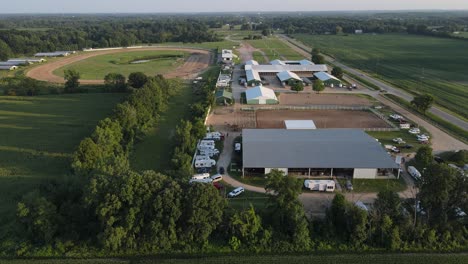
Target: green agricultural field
[271,259]
[95,68]
[38,137]
[418,64]
[275,49]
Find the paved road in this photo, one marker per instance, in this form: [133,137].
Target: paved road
[390,89]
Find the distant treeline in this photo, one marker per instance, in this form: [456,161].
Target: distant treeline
[18,37]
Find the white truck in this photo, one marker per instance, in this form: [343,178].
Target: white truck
[213,135]
[205,163]
[320,185]
[414,172]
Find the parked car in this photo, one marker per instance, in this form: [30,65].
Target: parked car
[236,192]
[217,177]
[415,131]
[237,147]
[221,170]
[218,185]
[407,146]
[399,141]
[349,185]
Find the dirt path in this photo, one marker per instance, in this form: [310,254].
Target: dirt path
[196,63]
[246,52]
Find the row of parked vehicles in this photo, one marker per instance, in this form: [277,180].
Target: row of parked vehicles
[206,151]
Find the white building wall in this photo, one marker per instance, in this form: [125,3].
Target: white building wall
[268,170]
[365,173]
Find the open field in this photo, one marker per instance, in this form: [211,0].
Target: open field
[418,64]
[361,258]
[38,137]
[275,49]
[155,151]
[95,68]
[196,63]
[322,118]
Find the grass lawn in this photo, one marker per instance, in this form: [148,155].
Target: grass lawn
[95,68]
[155,151]
[258,200]
[370,186]
[275,49]
[386,139]
[418,64]
[298,258]
[38,137]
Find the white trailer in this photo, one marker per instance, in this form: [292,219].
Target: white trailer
[320,185]
[209,152]
[202,157]
[201,176]
[205,163]
[208,181]
[207,142]
[205,147]
[414,172]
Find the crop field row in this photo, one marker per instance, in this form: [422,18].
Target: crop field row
[276,49]
[418,64]
[38,137]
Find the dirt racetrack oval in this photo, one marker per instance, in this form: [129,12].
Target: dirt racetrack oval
[195,64]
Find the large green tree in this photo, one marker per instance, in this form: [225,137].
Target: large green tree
[72,81]
[288,216]
[424,157]
[115,82]
[423,102]
[337,72]
[318,59]
[137,79]
[318,86]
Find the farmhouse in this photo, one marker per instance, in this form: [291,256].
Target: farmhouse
[261,95]
[223,97]
[8,67]
[321,152]
[327,78]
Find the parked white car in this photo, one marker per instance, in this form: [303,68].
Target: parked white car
[237,147]
[217,177]
[399,141]
[236,192]
[415,131]
[396,117]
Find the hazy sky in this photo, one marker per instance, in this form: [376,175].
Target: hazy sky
[149,6]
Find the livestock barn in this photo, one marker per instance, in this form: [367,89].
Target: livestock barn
[261,95]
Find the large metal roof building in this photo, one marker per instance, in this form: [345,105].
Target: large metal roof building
[318,152]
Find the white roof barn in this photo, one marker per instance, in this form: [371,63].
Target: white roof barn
[324,76]
[260,95]
[8,67]
[293,68]
[287,75]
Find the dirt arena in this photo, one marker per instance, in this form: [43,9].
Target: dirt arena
[230,119]
[323,99]
[195,64]
[321,118]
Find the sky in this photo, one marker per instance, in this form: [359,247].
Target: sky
[191,6]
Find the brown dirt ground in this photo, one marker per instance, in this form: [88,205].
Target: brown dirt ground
[323,99]
[321,118]
[196,63]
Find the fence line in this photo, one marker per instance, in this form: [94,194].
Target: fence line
[381,116]
[307,107]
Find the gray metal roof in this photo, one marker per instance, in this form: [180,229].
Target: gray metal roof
[321,148]
[292,68]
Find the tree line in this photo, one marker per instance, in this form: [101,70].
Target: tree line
[100,32]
